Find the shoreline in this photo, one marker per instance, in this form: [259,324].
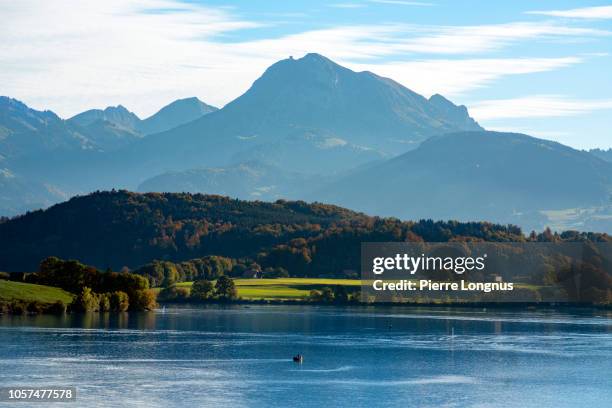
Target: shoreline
[473,305]
[525,306]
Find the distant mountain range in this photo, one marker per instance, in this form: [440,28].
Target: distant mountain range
[175,114]
[307,115]
[27,132]
[506,177]
[32,142]
[309,128]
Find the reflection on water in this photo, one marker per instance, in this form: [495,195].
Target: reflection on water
[241,356]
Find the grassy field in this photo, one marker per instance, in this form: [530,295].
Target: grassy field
[28,292]
[283,288]
[295,288]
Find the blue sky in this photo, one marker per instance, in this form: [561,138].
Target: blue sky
[538,67]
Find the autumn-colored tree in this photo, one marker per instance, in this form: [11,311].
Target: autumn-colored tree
[119,301]
[86,301]
[143,300]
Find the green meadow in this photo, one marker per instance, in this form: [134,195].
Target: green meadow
[282,288]
[10,290]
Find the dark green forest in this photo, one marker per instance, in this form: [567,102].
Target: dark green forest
[125,230]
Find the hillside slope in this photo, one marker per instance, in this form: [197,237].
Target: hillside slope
[116,229]
[309,115]
[500,177]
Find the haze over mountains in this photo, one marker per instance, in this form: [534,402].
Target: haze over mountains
[177,113]
[32,141]
[254,180]
[507,177]
[308,128]
[308,115]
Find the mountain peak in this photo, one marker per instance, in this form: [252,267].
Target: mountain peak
[8,101]
[15,110]
[119,109]
[190,99]
[311,65]
[457,113]
[310,58]
[175,114]
[439,99]
[315,95]
[118,115]
[314,57]
[193,101]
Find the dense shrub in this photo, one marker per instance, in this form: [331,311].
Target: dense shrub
[86,301]
[143,300]
[173,294]
[166,273]
[273,273]
[225,289]
[73,276]
[119,301]
[202,290]
[104,302]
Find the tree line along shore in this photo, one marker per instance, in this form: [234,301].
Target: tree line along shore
[62,286]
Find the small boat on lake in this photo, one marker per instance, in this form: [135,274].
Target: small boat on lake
[298,359]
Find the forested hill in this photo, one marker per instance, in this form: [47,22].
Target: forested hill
[120,228]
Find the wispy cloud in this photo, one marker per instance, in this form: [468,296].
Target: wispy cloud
[483,38]
[347,5]
[536,106]
[454,77]
[144,53]
[599,12]
[69,55]
[367,42]
[402,3]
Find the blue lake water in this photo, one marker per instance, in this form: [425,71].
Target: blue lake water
[388,357]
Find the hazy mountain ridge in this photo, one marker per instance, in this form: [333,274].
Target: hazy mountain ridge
[172,115]
[114,114]
[35,143]
[116,127]
[313,93]
[175,114]
[306,115]
[311,100]
[501,177]
[308,122]
[25,131]
[249,180]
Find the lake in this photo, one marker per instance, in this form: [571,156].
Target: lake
[240,356]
